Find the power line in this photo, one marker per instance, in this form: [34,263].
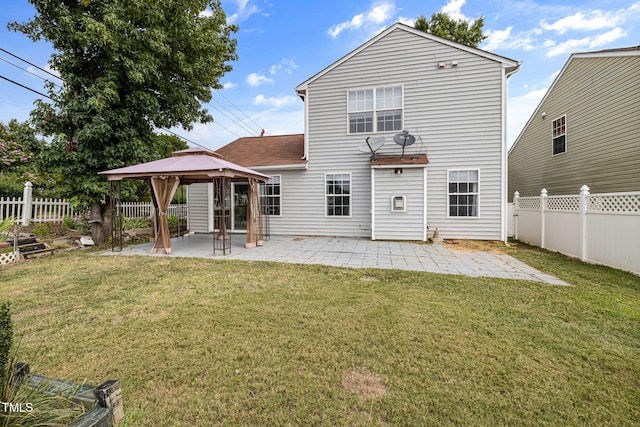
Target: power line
[26,87]
[33,65]
[239,122]
[27,71]
[237,108]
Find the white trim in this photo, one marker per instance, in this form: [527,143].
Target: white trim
[210,208]
[468,217]
[425,233]
[327,195]
[373,204]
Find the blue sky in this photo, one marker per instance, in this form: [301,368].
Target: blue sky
[281,43]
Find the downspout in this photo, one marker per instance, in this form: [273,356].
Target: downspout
[505,169]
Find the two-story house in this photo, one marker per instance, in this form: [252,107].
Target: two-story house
[586,129]
[403,135]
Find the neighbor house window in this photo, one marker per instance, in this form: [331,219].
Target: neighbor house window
[375,109]
[338,194]
[559,140]
[463,192]
[270,196]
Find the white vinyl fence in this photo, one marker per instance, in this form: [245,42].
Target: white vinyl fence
[27,209]
[598,228]
[144,209]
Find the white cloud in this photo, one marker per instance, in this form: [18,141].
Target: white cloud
[595,20]
[504,39]
[586,43]
[286,66]
[229,85]
[244,11]
[377,14]
[255,79]
[454,10]
[274,101]
[206,13]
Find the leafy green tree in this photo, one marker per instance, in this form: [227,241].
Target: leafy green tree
[18,145]
[129,67]
[459,31]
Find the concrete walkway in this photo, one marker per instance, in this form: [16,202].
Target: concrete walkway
[357,253]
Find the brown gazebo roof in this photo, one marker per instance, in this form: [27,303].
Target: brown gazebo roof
[191,165]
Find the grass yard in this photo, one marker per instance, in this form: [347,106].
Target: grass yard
[208,342]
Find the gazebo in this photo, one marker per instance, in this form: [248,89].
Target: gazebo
[187,167]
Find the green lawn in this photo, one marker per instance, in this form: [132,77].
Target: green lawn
[208,342]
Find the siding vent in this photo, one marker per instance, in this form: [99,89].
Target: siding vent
[398,203]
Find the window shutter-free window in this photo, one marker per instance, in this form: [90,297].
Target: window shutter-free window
[338,194]
[559,135]
[463,193]
[377,109]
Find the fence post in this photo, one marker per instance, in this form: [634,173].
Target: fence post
[584,192]
[516,199]
[543,207]
[27,203]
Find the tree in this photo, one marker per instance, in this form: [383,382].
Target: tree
[128,67]
[18,144]
[459,31]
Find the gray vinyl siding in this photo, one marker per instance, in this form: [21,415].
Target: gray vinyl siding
[455,113]
[394,225]
[199,208]
[601,100]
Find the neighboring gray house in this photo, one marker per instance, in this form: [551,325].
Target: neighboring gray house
[451,98]
[586,130]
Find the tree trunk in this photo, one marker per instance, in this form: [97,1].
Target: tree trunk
[100,221]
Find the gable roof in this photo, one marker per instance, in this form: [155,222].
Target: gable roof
[281,151]
[509,64]
[624,51]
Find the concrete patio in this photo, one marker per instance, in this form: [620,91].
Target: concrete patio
[357,253]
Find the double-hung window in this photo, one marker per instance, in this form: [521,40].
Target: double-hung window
[559,135]
[270,196]
[378,110]
[338,194]
[463,193]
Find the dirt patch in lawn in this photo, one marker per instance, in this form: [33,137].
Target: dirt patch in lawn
[364,384]
[474,245]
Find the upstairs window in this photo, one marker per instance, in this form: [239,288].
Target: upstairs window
[559,138]
[375,109]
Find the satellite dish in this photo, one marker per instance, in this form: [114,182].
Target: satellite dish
[372,145]
[404,139]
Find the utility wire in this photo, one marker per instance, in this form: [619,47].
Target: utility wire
[26,87]
[238,108]
[33,65]
[239,123]
[244,125]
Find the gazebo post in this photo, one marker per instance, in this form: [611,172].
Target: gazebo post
[115,197]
